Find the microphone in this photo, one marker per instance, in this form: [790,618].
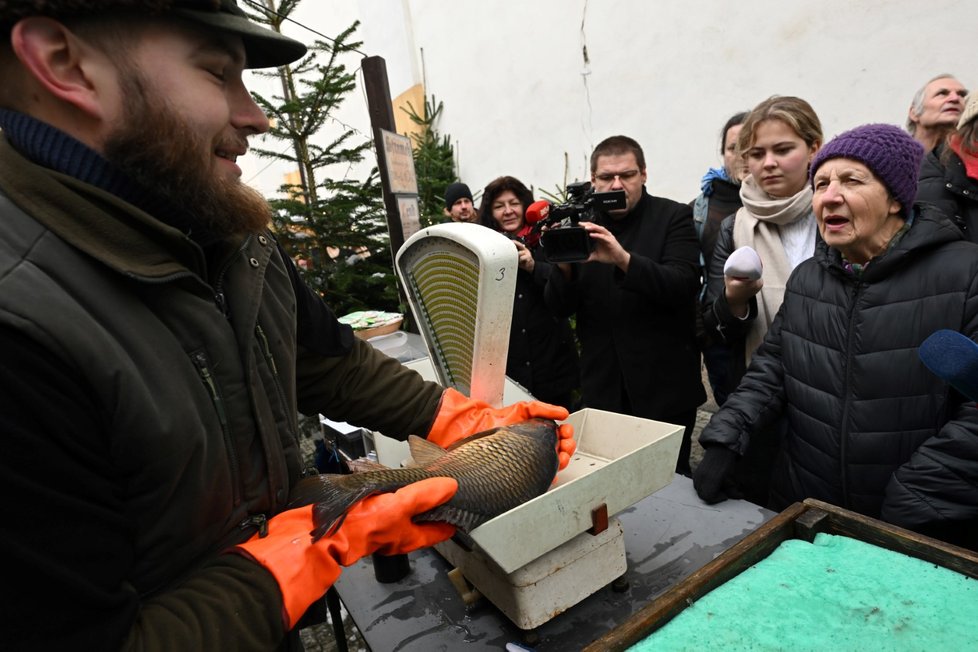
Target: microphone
[536,212]
[743,264]
[953,358]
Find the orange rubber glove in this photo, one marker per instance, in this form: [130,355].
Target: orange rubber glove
[380,523]
[459,416]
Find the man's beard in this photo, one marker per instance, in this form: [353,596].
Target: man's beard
[158,150]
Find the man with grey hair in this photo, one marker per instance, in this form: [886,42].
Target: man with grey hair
[935,110]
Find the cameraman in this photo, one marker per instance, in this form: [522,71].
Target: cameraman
[635,299]
[542,354]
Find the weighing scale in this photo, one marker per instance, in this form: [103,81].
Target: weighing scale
[546,555]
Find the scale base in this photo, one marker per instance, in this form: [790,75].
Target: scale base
[549,585]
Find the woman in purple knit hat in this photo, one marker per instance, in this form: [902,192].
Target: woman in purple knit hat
[867,426]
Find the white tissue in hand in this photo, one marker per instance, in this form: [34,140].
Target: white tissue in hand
[743,263]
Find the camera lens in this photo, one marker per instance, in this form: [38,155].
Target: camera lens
[570,244]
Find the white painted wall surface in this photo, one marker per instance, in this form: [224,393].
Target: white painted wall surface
[518,93]
[329,17]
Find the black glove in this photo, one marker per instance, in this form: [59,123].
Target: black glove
[713,477]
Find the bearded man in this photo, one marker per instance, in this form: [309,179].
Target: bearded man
[157,344]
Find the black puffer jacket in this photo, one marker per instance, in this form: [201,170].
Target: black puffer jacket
[868,426]
[719,324]
[950,189]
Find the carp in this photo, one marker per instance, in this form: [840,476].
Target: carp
[496,471]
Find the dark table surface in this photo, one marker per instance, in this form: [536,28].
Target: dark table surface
[668,536]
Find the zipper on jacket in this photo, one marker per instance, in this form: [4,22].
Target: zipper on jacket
[257,520]
[203,369]
[221,302]
[844,430]
[266,349]
[220,299]
[267,352]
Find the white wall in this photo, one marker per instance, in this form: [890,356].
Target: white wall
[329,17]
[518,93]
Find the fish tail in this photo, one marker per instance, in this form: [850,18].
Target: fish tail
[331,495]
[329,512]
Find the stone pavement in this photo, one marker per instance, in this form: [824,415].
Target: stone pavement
[703,416]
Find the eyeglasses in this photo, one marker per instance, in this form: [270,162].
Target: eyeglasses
[608,177]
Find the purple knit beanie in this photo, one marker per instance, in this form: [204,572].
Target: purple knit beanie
[888,151]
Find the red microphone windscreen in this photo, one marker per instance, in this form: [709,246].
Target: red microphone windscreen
[537,211]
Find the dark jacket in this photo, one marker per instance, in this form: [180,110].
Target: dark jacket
[148,403]
[709,213]
[542,353]
[869,427]
[720,326]
[950,189]
[637,330]
[722,330]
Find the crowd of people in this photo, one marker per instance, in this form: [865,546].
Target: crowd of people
[158,342]
[865,247]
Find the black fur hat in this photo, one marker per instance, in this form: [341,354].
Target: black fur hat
[264,47]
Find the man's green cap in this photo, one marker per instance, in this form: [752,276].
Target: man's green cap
[264,47]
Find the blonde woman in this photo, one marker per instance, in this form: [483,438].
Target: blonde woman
[778,140]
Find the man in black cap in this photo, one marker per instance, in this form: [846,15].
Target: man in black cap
[157,343]
[458,203]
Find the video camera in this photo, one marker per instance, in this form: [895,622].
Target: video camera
[564,240]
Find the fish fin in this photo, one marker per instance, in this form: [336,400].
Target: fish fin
[330,498]
[329,512]
[424,452]
[326,529]
[474,436]
[363,464]
[311,490]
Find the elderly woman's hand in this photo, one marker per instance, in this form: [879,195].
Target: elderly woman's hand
[739,291]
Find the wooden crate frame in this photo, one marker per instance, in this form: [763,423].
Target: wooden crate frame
[799,521]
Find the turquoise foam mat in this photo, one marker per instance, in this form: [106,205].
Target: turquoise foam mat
[837,593]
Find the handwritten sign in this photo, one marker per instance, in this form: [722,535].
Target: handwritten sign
[399,159]
[407,206]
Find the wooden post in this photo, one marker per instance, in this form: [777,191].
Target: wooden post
[382,118]
[395,162]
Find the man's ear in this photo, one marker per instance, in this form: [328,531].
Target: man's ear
[61,63]
[912,115]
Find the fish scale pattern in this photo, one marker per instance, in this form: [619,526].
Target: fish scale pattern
[496,471]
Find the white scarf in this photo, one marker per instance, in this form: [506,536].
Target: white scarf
[757,225]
